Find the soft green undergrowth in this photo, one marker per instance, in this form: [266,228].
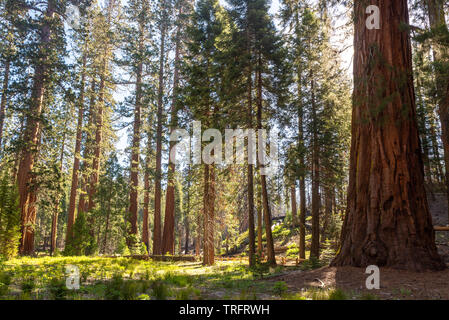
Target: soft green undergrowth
[132,279]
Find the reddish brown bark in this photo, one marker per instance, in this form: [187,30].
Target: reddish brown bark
[146,204]
[387,221]
[76,162]
[54,223]
[259,226]
[250,174]
[82,204]
[271,257]
[315,245]
[209,215]
[294,208]
[157,233]
[135,152]
[168,237]
[301,178]
[437,21]
[27,192]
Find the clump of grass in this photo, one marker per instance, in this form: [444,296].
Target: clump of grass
[311,264]
[58,289]
[188,293]
[113,288]
[176,279]
[280,288]
[337,294]
[130,289]
[160,290]
[28,284]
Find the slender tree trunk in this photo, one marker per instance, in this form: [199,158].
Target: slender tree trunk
[157,234]
[250,173]
[168,237]
[388,222]
[302,182]
[98,141]
[294,208]
[25,179]
[4,98]
[54,223]
[135,153]
[106,229]
[315,246]
[259,226]
[76,162]
[271,258]
[437,21]
[82,204]
[209,218]
[146,204]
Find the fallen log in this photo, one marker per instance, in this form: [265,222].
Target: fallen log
[441,228]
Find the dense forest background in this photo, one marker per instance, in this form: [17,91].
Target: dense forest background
[88,104]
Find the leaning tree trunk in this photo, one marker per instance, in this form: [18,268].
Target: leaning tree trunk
[437,22]
[388,222]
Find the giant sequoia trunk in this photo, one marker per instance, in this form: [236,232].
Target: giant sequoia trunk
[25,178]
[438,22]
[387,221]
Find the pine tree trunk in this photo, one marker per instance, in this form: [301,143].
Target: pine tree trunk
[259,226]
[302,182]
[388,222]
[4,98]
[271,258]
[82,204]
[146,203]
[250,176]
[54,223]
[76,162]
[98,141]
[315,245]
[294,208]
[168,237]
[31,138]
[437,21]
[135,153]
[209,218]
[157,234]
